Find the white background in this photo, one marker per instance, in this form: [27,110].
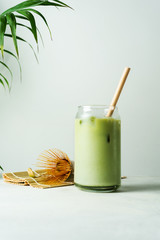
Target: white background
[82,65]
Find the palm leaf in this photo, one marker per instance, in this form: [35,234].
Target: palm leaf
[22,6]
[1,81]
[7,68]
[12,23]
[33,3]
[62,3]
[40,36]
[8,16]
[5,79]
[22,17]
[23,40]
[1,168]
[47,3]
[32,21]
[30,29]
[40,14]
[3,23]
[12,54]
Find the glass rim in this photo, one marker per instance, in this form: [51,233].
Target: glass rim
[97,106]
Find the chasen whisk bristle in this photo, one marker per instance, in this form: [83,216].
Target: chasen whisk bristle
[56,163]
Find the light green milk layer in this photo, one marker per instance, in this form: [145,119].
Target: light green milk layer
[97,152]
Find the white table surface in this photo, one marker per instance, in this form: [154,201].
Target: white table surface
[71,214]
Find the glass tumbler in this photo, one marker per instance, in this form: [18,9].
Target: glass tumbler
[97,149]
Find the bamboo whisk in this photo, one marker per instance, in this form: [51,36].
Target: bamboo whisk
[57,165]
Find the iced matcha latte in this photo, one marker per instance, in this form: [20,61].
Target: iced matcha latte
[97,149]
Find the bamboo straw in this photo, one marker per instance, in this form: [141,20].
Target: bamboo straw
[118,92]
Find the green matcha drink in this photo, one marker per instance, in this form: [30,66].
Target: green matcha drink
[97,149]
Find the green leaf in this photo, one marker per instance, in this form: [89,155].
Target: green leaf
[12,54]
[24,9]
[62,3]
[46,3]
[12,23]
[23,5]
[32,21]
[2,83]
[1,168]
[5,79]
[23,40]
[7,68]
[3,23]
[40,36]
[40,14]
[22,17]
[22,25]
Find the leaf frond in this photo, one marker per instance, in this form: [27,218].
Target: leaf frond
[32,21]
[1,81]
[12,54]
[25,10]
[62,3]
[12,23]
[5,79]
[1,168]
[21,17]
[23,40]
[30,29]
[22,6]
[7,68]
[3,24]
[44,19]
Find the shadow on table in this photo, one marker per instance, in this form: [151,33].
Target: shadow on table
[140,188]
